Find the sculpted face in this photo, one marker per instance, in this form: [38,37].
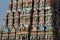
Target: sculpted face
[48,1]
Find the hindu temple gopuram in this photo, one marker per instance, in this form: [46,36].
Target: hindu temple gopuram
[31,20]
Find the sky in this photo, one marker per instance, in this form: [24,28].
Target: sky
[3,10]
